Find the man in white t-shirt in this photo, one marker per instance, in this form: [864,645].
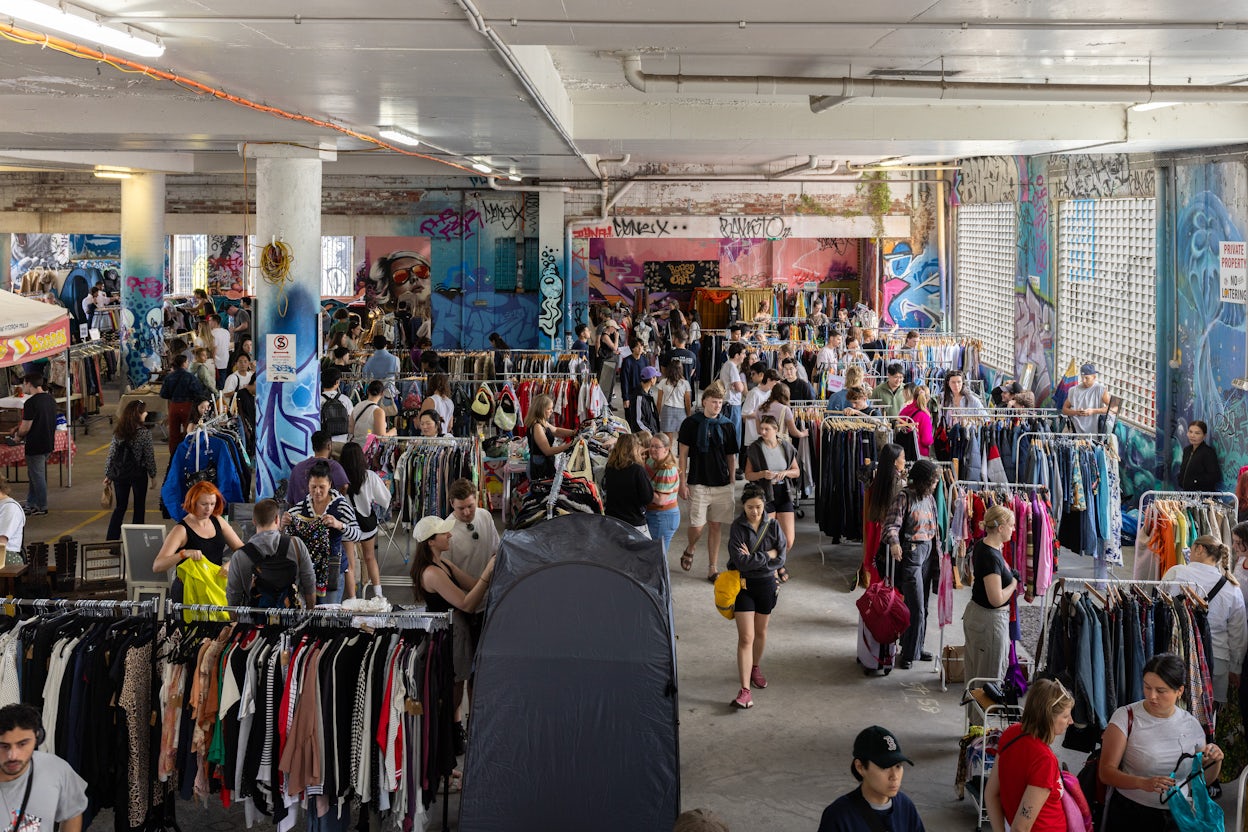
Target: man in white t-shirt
[474,540]
[734,387]
[763,379]
[237,380]
[221,348]
[828,354]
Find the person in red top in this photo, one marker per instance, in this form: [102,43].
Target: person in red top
[1025,787]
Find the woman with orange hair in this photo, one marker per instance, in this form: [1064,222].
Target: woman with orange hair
[201,533]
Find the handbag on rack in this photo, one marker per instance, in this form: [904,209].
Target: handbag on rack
[508,409]
[482,406]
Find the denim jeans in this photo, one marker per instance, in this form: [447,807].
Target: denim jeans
[37,470]
[663,525]
[733,412]
[121,493]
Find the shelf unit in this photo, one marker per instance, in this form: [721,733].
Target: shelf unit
[998,717]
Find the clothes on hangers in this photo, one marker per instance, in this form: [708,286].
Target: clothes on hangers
[1082,475]
[419,472]
[214,454]
[1169,526]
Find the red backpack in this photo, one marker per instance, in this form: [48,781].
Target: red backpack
[884,611]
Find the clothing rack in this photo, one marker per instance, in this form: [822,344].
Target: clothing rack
[133,608]
[412,618]
[1060,440]
[1189,498]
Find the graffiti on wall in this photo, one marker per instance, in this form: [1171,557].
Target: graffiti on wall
[1103,176]
[987,179]
[1210,333]
[910,286]
[36,251]
[578,305]
[1034,314]
[227,265]
[142,327]
[552,294]
[290,410]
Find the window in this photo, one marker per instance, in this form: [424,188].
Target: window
[337,272]
[984,288]
[1107,303]
[189,263]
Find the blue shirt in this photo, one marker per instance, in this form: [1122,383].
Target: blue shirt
[383,365]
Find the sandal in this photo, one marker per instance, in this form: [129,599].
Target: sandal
[686,560]
[711,576]
[783,575]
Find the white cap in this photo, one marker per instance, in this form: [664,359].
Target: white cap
[429,526]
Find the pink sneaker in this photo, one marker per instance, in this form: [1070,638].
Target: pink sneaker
[743,700]
[757,679]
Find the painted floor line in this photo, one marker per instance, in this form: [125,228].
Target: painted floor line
[97,516]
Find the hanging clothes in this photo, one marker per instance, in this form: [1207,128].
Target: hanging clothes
[213,454]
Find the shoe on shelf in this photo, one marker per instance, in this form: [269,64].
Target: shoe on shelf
[757,679]
[925,656]
[743,700]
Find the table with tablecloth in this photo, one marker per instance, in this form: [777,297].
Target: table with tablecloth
[14,456]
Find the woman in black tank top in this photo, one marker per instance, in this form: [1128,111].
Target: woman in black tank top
[201,533]
[438,583]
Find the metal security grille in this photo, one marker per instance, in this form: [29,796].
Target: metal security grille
[336,278]
[1107,302]
[984,282]
[189,263]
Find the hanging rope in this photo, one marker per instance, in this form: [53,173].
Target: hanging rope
[275,261]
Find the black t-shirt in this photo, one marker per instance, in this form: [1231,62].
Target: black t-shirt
[684,356]
[710,468]
[40,411]
[628,493]
[800,391]
[988,561]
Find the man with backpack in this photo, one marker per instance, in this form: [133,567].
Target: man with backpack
[335,407]
[272,569]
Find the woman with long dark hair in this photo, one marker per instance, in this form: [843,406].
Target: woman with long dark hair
[889,479]
[368,496]
[910,532]
[436,582]
[627,484]
[131,461]
[501,351]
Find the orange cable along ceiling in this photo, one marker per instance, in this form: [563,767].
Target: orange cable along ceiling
[77,50]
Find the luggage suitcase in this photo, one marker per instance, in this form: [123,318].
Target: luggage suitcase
[876,657]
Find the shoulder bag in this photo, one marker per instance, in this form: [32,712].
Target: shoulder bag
[729,583]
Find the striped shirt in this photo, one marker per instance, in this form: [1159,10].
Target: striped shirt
[666,482]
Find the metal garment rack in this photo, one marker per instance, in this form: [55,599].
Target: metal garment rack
[134,608]
[1188,499]
[411,618]
[1060,439]
[471,442]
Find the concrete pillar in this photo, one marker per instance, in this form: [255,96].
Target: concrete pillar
[552,286]
[288,209]
[6,263]
[142,274]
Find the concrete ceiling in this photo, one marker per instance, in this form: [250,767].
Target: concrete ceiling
[539,85]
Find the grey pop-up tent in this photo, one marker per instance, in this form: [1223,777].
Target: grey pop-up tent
[574,710]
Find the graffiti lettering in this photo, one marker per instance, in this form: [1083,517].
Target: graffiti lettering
[837,244]
[552,294]
[772,228]
[148,287]
[988,179]
[451,225]
[592,233]
[506,215]
[1091,176]
[629,227]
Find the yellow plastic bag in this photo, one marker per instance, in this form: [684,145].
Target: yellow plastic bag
[202,583]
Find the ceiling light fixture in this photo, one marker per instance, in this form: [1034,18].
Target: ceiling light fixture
[84,25]
[1153,105]
[481,166]
[111,172]
[888,163]
[398,134]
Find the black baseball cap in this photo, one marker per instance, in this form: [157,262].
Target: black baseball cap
[878,745]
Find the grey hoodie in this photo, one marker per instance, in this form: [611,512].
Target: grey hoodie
[238,587]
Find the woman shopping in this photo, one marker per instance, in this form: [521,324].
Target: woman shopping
[910,533]
[627,484]
[368,495]
[200,535]
[1025,786]
[771,464]
[756,548]
[917,412]
[777,406]
[131,464]
[543,438]
[674,399]
[1209,567]
[986,620]
[663,513]
[886,484]
[368,417]
[437,582]
[1200,469]
[325,508]
[1141,747]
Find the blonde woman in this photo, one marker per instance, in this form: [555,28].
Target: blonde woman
[204,370]
[663,513]
[986,620]
[1208,566]
[542,438]
[838,401]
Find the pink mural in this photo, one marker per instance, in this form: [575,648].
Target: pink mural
[616,267]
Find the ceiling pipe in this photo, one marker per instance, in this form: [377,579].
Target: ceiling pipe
[620,160]
[479,24]
[811,163]
[830,91]
[619,194]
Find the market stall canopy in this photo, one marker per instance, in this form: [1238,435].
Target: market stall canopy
[574,700]
[30,330]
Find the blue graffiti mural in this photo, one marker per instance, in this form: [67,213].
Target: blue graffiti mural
[911,287]
[287,412]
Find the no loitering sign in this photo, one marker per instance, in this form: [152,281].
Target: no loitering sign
[1233,271]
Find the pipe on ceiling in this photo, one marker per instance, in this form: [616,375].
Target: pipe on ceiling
[830,91]
[479,24]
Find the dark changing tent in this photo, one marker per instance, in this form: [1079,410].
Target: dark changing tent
[574,714]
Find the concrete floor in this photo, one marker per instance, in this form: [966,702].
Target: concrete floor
[774,767]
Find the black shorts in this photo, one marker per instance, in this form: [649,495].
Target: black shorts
[781,499]
[758,596]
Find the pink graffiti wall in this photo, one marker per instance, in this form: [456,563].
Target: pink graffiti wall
[616,266]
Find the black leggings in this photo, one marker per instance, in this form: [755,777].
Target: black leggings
[121,493]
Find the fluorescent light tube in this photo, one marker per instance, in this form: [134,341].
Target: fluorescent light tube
[514,177]
[83,25]
[111,174]
[398,134]
[1153,105]
[481,166]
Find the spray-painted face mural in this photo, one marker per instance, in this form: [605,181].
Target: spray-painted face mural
[400,277]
